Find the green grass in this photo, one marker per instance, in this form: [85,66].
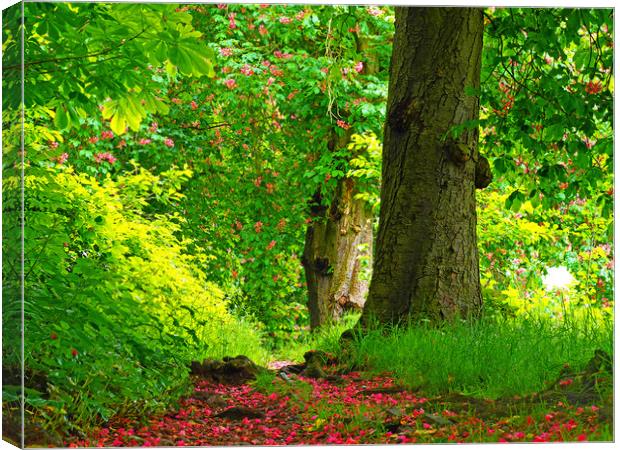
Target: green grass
[326,338]
[489,358]
[238,338]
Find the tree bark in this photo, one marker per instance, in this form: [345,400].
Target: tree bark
[338,242]
[426,261]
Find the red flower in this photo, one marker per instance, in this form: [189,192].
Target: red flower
[53,336]
[594,87]
[342,124]
[105,156]
[74,352]
[247,70]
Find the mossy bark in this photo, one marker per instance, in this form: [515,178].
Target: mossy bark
[426,261]
[336,242]
[340,238]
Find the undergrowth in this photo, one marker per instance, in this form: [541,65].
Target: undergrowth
[325,338]
[488,358]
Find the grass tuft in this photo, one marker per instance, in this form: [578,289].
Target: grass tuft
[488,358]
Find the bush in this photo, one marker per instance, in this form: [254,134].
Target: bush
[115,308]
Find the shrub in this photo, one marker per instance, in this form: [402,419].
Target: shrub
[114,306]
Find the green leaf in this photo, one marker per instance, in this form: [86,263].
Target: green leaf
[118,124]
[61,121]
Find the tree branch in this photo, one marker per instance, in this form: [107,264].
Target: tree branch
[71,58]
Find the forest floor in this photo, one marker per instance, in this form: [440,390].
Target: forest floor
[299,406]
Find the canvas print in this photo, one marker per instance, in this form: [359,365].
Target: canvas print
[265,224]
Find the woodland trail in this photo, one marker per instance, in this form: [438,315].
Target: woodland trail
[354,408]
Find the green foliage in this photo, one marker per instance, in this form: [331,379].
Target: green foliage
[115,307]
[81,55]
[517,248]
[140,266]
[365,167]
[547,102]
[326,339]
[487,358]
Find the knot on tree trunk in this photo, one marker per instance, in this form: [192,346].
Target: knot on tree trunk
[484,176]
[458,152]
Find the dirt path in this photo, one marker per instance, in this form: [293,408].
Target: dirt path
[348,409]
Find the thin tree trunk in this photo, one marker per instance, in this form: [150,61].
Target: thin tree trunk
[426,261]
[337,244]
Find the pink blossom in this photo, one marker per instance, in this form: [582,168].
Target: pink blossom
[359,67]
[275,71]
[93,139]
[194,105]
[169,142]
[99,157]
[285,20]
[342,124]
[226,51]
[107,135]
[589,143]
[374,11]
[270,81]
[262,30]
[144,141]
[63,158]
[153,127]
[280,55]
[53,144]
[230,83]
[247,70]
[176,101]
[231,21]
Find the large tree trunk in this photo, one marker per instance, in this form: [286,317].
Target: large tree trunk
[338,242]
[426,261]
